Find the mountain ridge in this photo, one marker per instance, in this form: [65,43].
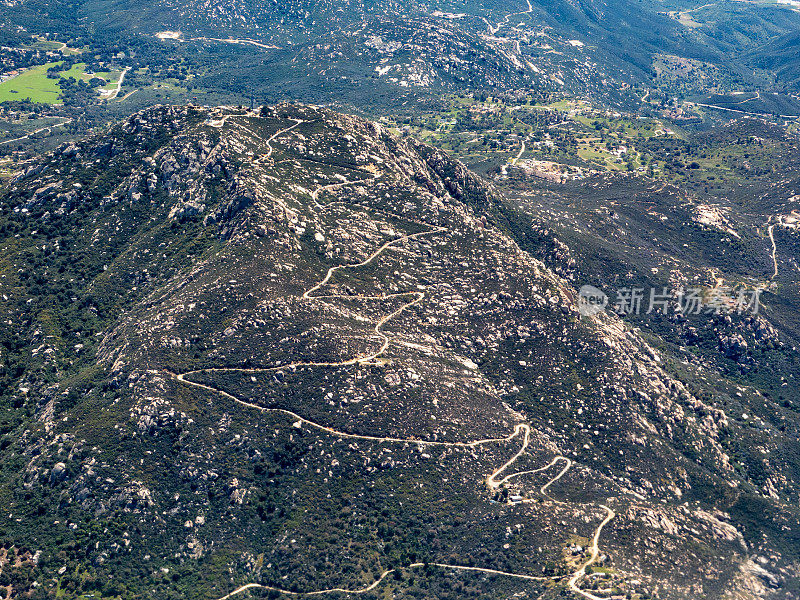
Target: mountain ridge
[241,267]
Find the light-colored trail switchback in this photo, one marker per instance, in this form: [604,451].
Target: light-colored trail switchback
[493,481]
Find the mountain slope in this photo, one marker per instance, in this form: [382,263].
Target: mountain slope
[292,350]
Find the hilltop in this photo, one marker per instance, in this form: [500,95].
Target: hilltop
[290,350]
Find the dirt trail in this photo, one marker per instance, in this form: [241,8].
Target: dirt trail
[115,93]
[492,481]
[594,553]
[519,154]
[26,136]
[774,251]
[494,30]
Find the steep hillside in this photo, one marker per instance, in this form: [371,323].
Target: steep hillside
[287,351]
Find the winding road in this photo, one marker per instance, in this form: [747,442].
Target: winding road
[494,30]
[494,481]
[383,576]
[278,133]
[594,552]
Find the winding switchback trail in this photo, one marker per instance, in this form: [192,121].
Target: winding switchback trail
[335,186]
[493,481]
[279,133]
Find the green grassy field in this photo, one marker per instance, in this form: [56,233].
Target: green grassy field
[34,84]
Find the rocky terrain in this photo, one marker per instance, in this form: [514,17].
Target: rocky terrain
[284,351]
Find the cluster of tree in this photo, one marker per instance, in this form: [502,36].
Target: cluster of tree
[77,92]
[55,71]
[20,58]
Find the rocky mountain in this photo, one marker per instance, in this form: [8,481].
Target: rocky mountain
[285,351]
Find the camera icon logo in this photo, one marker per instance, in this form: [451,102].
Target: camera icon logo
[591,301]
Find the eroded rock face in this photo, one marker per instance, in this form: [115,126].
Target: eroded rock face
[58,473]
[299,326]
[734,346]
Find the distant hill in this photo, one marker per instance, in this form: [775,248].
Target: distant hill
[322,52]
